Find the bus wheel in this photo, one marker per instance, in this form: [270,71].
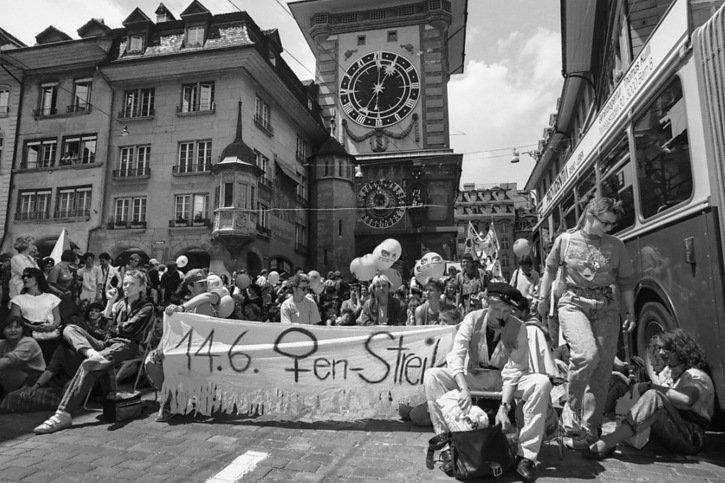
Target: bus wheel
[653,320]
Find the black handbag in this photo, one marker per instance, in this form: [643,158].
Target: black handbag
[481,453]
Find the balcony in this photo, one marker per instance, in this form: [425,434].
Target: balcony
[200,109]
[264,231]
[133,173]
[73,215]
[126,225]
[234,223]
[194,169]
[45,112]
[139,113]
[32,216]
[264,125]
[265,183]
[68,160]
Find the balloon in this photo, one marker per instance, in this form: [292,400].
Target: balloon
[226,306]
[430,266]
[273,277]
[522,247]
[243,281]
[394,276]
[355,265]
[261,280]
[314,276]
[386,253]
[318,287]
[182,261]
[366,269]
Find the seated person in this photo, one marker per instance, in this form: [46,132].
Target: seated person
[449,314]
[46,392]
[496,346]
[346,318]
[299,308]
[130,317]
[21,359]
[677,406]
[206,295]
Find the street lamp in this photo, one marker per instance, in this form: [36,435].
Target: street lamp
[516,154]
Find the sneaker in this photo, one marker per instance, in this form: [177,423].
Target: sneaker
[60,420]
[525,469]
[580,442]
[97,363]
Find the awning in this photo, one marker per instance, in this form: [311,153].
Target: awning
[289,172]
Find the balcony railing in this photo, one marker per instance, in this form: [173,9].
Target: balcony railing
[182,170]
[125,224]
[235,222]
[76,160]
[64,162]
[133,173]
[73,214]
[79,108]
[199,108]
[140,112]
[44,112]
[266,182]
[32,215]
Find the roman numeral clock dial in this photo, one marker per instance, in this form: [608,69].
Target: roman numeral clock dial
[379,89]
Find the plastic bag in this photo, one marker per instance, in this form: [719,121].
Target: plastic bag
[455,419]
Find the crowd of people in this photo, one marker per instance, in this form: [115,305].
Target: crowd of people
[64,326]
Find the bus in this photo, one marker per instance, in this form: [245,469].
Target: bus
[658,145]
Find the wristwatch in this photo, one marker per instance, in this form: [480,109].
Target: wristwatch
[506,406]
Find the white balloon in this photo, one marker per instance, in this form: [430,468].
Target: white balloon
[386,253]
[522,247]
[243,281]
[273,277]
[226,306]
[396,280]
[430,266]
[317,287]
[355,265]
[366,271]
[182,261]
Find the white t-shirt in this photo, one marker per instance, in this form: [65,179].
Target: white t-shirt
[303,312]
[36,308]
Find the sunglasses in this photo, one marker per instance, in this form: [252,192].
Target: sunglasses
[26,275]
[604,222]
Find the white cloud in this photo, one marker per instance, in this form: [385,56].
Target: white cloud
[505,103]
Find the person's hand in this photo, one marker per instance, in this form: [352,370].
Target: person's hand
[171,308]
[464,400]
[112,293]
[502,418]
[629,323]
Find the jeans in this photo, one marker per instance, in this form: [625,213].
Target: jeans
[591,328]
[115,350]
[532,389]
[669,428]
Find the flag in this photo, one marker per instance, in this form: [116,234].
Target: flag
[473,242]
[63,243]
[489,244]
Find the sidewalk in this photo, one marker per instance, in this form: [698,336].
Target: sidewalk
[195,449]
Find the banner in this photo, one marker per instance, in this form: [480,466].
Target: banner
[293,371]
[474,242]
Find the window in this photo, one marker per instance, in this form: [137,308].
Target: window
[664,169]
[616,176]
[73,202]
[392,35]
[568,209]
[585,190]
[197,97]
[133,161]
[303,149]
[33,205]
[39,154]
[138,103]
[300,236]
[130,210]
[504,243]
[48,98]
[4,100]
[79,150]
[263,163]
[301,189]
[192,207]
[263,217]
[263,115]
[81,95]
[228,195]
[135,44]
[194,157]
[361,40]
[195,36]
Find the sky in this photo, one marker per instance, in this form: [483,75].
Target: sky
[503,100]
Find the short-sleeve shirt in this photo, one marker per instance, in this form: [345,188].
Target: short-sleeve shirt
[704,405]
[36,308]
[302,312]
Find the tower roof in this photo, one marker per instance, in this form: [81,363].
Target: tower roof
[238,149]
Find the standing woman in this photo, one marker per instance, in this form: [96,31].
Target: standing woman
[589,313]
[25,246]
[62,281]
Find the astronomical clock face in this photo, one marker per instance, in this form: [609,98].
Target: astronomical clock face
[379,89]
[383,203]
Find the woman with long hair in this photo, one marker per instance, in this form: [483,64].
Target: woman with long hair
[593,262]
[676,406]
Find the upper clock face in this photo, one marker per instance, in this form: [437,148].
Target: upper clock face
[379,89]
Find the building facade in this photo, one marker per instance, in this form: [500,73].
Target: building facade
[383,69]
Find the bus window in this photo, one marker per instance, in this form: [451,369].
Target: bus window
[556,218]
[568,209]
[616,175]
[662,150]
[585,188]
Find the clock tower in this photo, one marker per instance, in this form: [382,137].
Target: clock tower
[383,68]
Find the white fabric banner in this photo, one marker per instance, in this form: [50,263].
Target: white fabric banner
[296,371]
